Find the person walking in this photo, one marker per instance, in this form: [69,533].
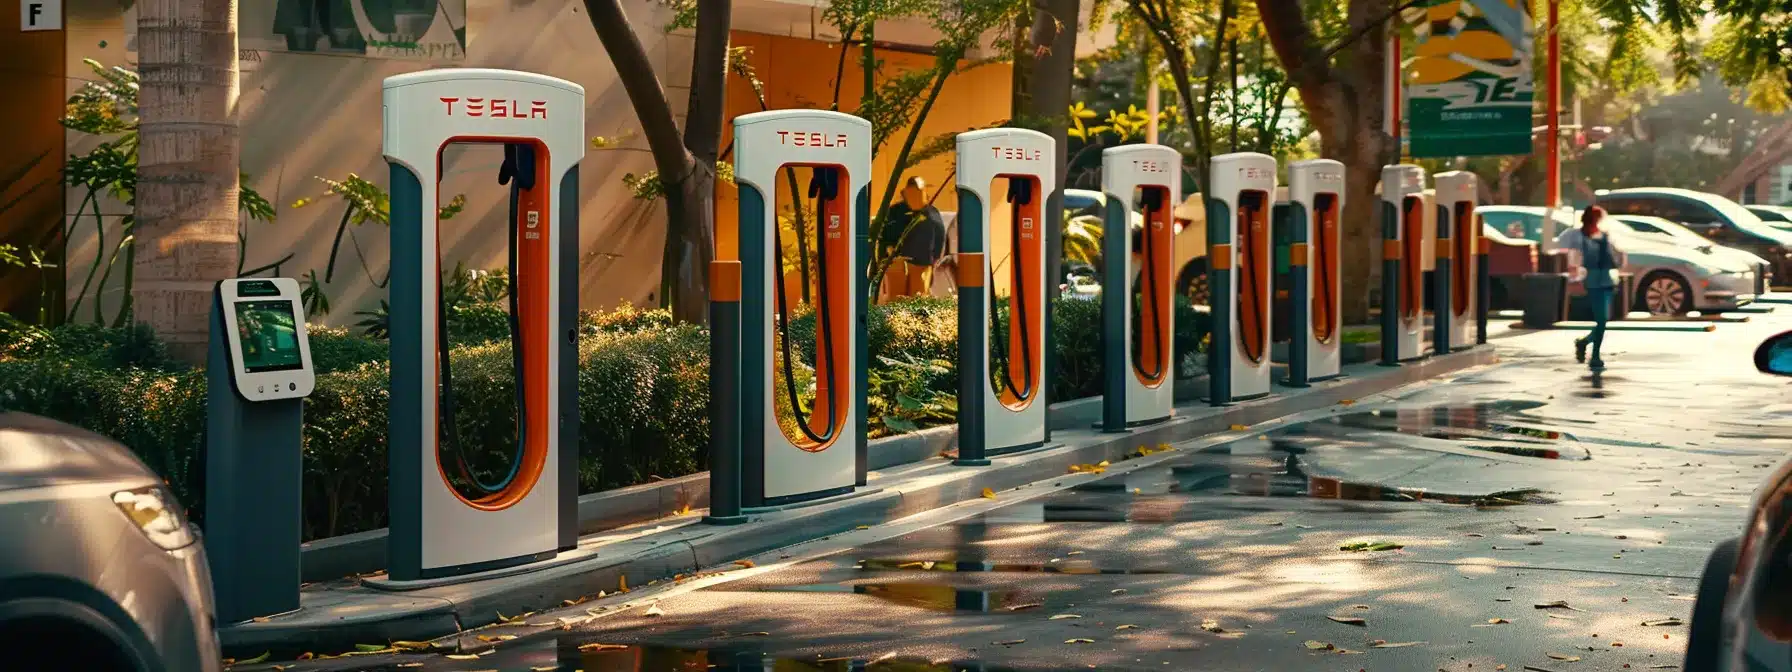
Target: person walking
[916,232]
[1596,260]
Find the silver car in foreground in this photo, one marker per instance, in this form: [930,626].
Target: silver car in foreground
[99,569]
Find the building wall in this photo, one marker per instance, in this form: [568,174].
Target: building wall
[310,115]
[306,115]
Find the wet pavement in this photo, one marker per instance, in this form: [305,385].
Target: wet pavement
[1526,513]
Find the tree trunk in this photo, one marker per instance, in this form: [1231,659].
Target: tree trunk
[690,244]
[1054,48]
[186,208]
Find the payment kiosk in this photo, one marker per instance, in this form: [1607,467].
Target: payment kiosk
[1238,212]
[1458,240]
[258,372]
[1001,340]
[1138,349]
[1403,213]
[453,514]
[1315,202]
[795,449]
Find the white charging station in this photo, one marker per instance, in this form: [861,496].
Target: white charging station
[1139,353]
[814,456]
[1006,392]
[1405,209]
[1239,208]
[1316,194]
[1459,236]
[437,529]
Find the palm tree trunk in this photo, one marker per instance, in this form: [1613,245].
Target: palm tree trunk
[187,170]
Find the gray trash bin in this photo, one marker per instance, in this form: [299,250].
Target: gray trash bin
[1545,299]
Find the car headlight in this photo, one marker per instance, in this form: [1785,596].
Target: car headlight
[157,514]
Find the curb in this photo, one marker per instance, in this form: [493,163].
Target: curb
[431,613]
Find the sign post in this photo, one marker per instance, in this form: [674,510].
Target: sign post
[36,15]
[1471,80]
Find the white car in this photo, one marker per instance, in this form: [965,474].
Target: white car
[1656,228]
[1670,279]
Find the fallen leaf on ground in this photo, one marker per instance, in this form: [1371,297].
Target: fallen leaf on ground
[261,619]
[1060,617]
[989,494]
[1558,604]
[1563,657]
[1508,548]
[1359,606]
[1362,546]
[1565,618]
[1665,621]
[1346,402]
[1396,645]
[1079,640]
[496,638]
[1317,645]
[1211,625]
[1497,621]
[1127,626]
[596,646]
[1029,605]
[862,527]
[1534,668]
[1500,666]
[462,656]
[1074,553]
[544,668]
[1117,591]
[410,646]
[1346,652]
[1010,642]
[655,610]
[1349,620]
[1590,517]
[747,564]
[370,647]
[683,511]
[1502,599]
[258,659]
[1239,428]
[622,583]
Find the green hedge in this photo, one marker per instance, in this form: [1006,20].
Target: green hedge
[643,394]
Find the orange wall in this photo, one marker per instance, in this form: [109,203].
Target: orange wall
[799,73]
[30,160]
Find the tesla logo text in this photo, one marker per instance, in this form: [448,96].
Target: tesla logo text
[1017,153]
[1328,177]
[496,108]
[1255,174]
[1151,166]
[811,139]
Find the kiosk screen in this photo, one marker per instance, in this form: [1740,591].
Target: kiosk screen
[268,335]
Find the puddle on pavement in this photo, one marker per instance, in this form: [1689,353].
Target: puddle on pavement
[568,653]
[935,596]
[1071,566]
[1483,427]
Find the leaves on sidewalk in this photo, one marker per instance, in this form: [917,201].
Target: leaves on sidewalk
[745,564]
[1316,645]
[989,494]
[1393,645]
[1371,546]
[1563,657]
[1126,626]
[1029,605]
[597,646]
[1079,640]
[1009,642]
[1558,604]
[1670,621]
[1061,617]
[1350,620]
[654,610]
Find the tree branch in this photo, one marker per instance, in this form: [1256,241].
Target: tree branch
[642,85]
[1296,47]
[709,83]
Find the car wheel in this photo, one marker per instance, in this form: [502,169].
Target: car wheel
[1665,293]
[1192,283]
[1704,646]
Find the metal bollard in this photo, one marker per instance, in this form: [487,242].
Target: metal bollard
[724,394]
[971,353]
[1483,293]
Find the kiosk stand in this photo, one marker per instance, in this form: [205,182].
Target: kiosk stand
[1403,214]
[1138,351]
[258,373]
[814,453]
[1315,202]
[1238,212]
[1002,377]
[1458,239]
[448,517]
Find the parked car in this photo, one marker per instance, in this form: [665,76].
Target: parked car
[1656,228]
[99,568]
[1508,260]
[1670,279]
[1776,216]
[1720,219]
[1742,619]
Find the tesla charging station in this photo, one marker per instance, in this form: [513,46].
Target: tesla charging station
[449,519]
[1238,212]
[1002,376]
[813,454]
[258,373]
[1458,239]
[1137,350]
[1315,202]
[1403,213]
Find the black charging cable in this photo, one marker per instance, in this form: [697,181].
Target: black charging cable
[824,187]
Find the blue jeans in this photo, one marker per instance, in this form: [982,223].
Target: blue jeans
[1599,300]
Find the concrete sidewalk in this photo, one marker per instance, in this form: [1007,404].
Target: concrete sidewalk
[337,615]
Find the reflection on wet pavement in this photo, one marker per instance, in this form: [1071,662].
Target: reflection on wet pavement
[1053,567]
[938,597]
[570,653]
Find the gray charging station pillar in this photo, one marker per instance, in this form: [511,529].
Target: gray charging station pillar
[253,477]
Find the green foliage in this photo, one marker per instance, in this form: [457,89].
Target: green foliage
[339,349]
[101,347]
[647,186]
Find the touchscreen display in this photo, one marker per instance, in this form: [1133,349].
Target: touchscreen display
[268,335]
